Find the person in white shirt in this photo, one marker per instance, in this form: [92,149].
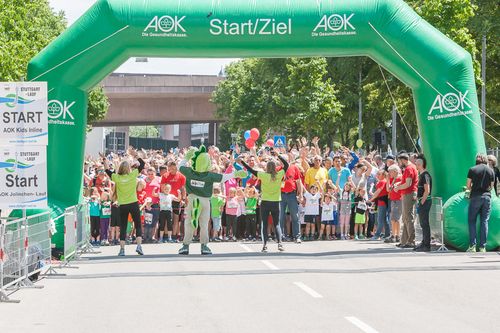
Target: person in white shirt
[166,220]
[328,217]
[311,211]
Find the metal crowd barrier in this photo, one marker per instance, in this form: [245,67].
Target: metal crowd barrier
[436,221]
[25,251]
[26,247]
[76,233]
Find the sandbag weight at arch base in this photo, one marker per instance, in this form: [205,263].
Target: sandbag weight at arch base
[438,71]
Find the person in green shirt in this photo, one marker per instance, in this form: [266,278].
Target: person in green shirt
[252,196]
[216,206]
[125,186]
[270,181]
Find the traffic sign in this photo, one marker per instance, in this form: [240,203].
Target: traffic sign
[279,141]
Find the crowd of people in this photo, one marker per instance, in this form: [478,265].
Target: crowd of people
[304,193]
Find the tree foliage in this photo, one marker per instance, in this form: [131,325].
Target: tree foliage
[98,105]
[298,96]
[144,132]
[290,96]
[26,27]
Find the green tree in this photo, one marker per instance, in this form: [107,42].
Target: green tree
[26,27]
[290,96]
[144,131]
[486,23]
[98,105]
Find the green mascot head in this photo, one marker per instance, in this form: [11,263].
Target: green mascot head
[200,162]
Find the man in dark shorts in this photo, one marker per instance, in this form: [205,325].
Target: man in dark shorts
[177,183]
[480,181]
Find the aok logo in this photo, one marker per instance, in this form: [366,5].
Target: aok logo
[450,105]
[165,26]
[60,112]
[334,25]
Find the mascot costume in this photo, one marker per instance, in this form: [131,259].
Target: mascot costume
[199,187]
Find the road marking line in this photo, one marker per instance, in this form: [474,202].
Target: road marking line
[308,290]
[246,248]
[361,325]
[270,265]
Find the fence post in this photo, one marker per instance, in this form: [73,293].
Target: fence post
[70,249]
[438,215]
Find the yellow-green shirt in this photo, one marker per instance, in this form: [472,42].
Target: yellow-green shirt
[271,189]
[126,187]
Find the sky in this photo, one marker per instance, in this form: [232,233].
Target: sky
[76,8]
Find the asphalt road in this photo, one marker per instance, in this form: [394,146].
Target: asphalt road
[340,286]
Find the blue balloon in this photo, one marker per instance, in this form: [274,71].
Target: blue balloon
[247,135]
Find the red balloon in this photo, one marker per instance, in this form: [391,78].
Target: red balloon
[270,143]
[249,143]
[254,134]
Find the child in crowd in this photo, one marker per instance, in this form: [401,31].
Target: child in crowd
[360,211]
[328,217]
[345,211]
[166,220]
[232,212]
[105,216]
[149,226]
[311,207]
[95,218]
[251,212]
[216,207]
[115,220]
[240,229]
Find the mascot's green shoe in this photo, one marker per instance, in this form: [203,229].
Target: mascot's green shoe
[205,250]
[184,250]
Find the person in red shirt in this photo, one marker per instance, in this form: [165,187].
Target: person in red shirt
[153,191]
[291,190]
[408,188]
[101,180]
[380,197]
[177,182]
[395,200]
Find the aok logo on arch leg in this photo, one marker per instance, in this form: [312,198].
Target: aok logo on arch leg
[450,105]
[60,112]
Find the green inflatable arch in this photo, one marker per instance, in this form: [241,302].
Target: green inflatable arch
[438,71]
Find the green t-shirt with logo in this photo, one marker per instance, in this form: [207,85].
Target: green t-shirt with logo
[271,189]
[106,209]
[215,204]
[200,183]
[251,206]
[126,187]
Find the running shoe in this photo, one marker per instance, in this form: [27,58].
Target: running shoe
[184,250]
[482,249]
[205,250]
[264,249]
[121,253]
[280,247]
[139,250]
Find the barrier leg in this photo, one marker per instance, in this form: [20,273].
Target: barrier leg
[4,298]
